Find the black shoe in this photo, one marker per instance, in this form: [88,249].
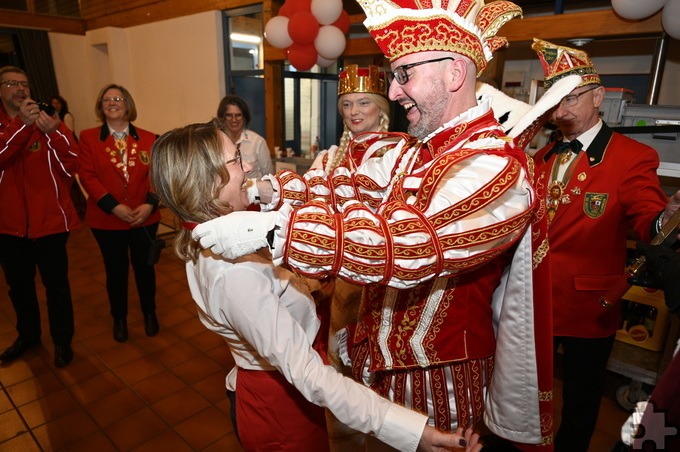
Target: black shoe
[16,350]
[63,355]
[120,332]
[151,324]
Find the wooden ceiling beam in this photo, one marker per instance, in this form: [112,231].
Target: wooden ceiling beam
[18,19]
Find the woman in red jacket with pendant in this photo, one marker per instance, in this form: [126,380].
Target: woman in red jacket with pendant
[121,209]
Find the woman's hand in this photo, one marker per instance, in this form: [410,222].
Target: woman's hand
[123,211]
[140,214]
[434,440]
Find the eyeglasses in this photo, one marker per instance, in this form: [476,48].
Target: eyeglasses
[400,74]
[113,99]
[572,99]
[237,159]
[236,116]
[15,83]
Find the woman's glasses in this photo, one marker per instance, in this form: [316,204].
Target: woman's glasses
[236,159]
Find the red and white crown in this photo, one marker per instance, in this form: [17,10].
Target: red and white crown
[467,27]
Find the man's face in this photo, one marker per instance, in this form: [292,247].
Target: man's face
[13,96]
[424,95]
[579,111]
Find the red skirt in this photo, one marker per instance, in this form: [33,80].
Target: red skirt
[272,415]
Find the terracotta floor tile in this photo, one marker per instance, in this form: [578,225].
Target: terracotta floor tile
[180,405]
[81,370]
[168,440]
[224,406]
[208,340]
[176,315]
[30,390]
[22,443]
[11,425]
[5,403]
[30,365]
[121,354]
[97,387]
[227,442]
[177,354]
[97,441]
[204,428]
[196,369]
[212,387]
[222,356]
[136,429]
[189,328]
[158,386]
[139,369]
[65,430]
[115,407]
[166,338]
[48,408]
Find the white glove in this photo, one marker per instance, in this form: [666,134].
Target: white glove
[252,191]
[236,234]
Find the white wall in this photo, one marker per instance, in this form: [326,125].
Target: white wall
[174,69]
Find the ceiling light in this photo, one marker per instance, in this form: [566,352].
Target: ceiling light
[580,42]
[240,37]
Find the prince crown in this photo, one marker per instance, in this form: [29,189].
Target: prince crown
[362,80]
[467,27]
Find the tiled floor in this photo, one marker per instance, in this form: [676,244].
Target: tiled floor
[159,393]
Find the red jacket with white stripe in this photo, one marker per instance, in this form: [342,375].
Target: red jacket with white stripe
[36,174]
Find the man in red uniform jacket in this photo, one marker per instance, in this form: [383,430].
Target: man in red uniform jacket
[597,190]
[38,158]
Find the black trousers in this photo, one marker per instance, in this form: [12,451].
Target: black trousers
[119,249]
[584,370]
[19,258]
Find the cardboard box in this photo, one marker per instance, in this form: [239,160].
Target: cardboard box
[638,331]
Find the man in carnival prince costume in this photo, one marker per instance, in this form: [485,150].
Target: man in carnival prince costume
[439,229]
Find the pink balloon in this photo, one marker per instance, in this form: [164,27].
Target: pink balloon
[276,32]
[330,42]
[637,9]
[326,11]
[303,27]
[670,18]
[322,62]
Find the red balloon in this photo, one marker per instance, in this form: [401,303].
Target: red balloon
[302,57]
[343,22]
[298,6]
[285,10]
[303,28]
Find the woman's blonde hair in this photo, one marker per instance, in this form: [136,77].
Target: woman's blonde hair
[187,172]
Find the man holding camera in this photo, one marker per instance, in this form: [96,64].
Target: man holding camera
[38,159]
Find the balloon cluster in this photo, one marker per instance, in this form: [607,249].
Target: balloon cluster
[641,9]
[311,31]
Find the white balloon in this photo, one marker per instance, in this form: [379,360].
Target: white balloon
[323,62]
[637,9]
[330,42]
[326,11]
[670,18]
[276,32]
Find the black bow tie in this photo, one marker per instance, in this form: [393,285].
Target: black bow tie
[561,147]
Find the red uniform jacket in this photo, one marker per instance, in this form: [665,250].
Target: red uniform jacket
[614,188]
[36,174]
[103,175]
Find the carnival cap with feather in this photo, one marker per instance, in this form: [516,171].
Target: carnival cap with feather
[467,27]
[560,61]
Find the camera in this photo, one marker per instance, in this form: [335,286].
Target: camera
[47,108]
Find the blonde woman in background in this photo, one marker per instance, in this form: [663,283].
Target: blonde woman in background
[364,108]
